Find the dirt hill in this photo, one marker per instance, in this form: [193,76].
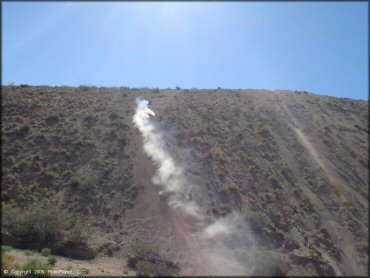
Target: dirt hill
[285,174]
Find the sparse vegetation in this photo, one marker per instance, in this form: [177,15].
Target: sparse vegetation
[257,220]
[45,222]
[364,161]
[75,181]
[113,116]
[83,88]
[35,266]
[5,249]
[8,262]
[52,260]
[84,271]
[146,261]
[270,263]
[230,190]
[52,119]
[29,252]
[363,247]
[241,147]
[265,133]
[90,182]
[24,129]
[272,179]
[222,209]
[45,252]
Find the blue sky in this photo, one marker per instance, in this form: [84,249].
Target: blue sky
[317,47]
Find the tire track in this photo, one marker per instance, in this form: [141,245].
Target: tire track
[349,264]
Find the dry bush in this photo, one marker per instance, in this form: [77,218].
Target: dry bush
[269,263]
[45,222]
[146,261]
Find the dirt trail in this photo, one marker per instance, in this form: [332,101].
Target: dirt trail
[332,176]
[155,221]
[176,235]
[339,237]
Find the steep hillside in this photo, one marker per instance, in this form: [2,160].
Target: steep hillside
[285,173]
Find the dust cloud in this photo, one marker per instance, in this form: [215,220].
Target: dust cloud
[216,238]
[169,175]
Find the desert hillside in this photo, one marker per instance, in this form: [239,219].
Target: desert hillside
[246,182]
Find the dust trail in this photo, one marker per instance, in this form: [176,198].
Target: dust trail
[214,240]
[169,175]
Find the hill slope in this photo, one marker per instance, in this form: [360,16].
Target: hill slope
[289,169]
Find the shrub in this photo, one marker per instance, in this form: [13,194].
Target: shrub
[364,161]
[52,119]
[24,129]
[324,232]
[36,265]
[52,260]
[231,190]
[9,213]
[239,136]
[272,179]
[269,263]
[45,222]
[222,209]
[74,181]
[5,249]
[133,191]
[257,220]
[274,182]
[89,182]
[49,174]
[113,116]
[146,268]
[45,252]
[84,271]
[265,133]
[251,169]
[37,224]
[146,261]
[327,142]
[7,262]
[29,252]
[362,247]
[285,170]
[79,230]
[234,188]
[83,185]
[83,88]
